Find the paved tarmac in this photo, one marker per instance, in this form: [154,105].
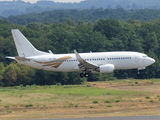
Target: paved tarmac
[155,117]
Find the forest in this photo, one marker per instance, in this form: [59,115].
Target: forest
[64,37]
[86,15]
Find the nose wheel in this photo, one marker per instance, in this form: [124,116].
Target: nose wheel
[83,75]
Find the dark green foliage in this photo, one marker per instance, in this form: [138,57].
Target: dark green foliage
[85,15]
[110,28]
[118,101]
[95,101]
[108,101]
[29,105]
[148,97]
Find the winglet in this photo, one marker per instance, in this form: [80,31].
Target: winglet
[84,64]
[79,57]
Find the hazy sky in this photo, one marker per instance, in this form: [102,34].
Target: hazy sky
[33,1]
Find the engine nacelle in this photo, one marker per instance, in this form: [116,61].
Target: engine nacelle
[107,68]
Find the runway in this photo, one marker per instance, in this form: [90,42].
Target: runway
[155,117]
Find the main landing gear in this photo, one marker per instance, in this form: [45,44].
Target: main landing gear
[83,75]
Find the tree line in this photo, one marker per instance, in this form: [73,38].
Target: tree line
[86,15]
[8,8]
[64,37]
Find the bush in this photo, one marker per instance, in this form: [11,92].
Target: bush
[58,84]
[76,105]
[21,96]
[92,107]
[95,101]
[151,101]
[29,105]
[136,82]
[27,87]
[18,87]
[147,97]
[46,86]
[88,85]
[71,104]
[33,86]
[108,101]
[118,101]
[7,106]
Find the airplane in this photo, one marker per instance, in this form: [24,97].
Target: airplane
[95,62]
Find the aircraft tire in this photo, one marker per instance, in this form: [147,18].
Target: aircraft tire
[86,75]
[82,75]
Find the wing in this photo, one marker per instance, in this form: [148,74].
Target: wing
[84,65]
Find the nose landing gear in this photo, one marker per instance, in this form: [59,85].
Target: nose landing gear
[140,69]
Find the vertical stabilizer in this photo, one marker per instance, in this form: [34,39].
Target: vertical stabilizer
[23,46]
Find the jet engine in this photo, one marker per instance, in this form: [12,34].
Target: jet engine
[107,68]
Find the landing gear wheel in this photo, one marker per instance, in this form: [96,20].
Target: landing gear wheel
[86,75]
[81,75]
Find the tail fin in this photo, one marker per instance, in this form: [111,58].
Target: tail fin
[23,46]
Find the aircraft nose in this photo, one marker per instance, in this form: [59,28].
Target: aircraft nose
[149,61]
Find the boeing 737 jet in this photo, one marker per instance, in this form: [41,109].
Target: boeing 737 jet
[97,62]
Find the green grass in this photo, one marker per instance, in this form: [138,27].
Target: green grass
[9,111]
[151,101]
[6,90]
[109,105]
[70,90]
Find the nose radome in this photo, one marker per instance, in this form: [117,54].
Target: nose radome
[151,61]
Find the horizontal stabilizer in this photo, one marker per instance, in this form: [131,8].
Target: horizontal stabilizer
[13,58]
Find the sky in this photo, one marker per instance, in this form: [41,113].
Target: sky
[34,1]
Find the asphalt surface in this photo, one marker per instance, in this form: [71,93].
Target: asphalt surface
[155,117]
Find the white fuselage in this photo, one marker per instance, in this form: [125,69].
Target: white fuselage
[69,62]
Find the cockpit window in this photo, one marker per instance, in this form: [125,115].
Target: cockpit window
[145,56]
